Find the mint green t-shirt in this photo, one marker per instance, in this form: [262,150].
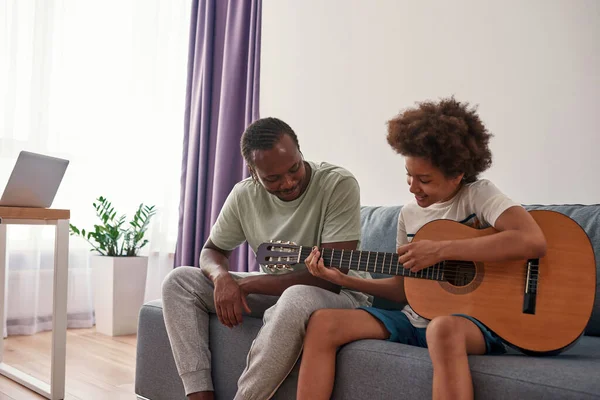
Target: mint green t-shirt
[328,211]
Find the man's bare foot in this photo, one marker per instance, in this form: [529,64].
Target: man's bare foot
[202,396]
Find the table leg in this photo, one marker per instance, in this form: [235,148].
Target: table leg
[3,264]
[59,310]
[10,372]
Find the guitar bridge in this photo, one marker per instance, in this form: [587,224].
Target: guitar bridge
[531,284]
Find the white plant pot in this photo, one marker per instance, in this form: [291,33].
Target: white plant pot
[119,284]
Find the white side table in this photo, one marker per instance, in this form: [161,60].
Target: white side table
[41,216]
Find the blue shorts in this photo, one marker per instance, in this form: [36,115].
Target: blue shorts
[402,331]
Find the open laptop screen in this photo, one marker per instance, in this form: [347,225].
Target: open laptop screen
[34,180]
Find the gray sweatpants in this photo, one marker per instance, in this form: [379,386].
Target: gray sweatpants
[187,301]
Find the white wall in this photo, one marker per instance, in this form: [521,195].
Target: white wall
[337,70]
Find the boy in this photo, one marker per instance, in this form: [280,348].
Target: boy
[445,147]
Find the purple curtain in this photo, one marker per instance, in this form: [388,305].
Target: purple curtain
[221,100]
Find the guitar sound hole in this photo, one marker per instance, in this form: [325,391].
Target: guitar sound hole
[459,273]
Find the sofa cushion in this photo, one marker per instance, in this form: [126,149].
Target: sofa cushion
[373,369]
[378,228]
[378,369]
[378,224]
[156,376]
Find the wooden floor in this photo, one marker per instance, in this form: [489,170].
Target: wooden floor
[98,367]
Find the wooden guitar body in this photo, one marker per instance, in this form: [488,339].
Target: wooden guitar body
[544,315]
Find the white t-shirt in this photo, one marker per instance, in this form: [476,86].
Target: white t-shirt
[476,204]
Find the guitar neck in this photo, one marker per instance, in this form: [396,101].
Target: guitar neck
[373,261]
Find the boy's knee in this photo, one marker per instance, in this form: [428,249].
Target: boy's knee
[443,333]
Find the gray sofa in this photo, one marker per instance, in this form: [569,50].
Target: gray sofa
[372,369]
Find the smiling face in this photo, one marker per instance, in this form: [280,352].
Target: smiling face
[281,169]
[428,183]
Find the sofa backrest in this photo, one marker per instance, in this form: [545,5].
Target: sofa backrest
[378,233]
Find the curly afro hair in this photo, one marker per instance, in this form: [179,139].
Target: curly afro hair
[448,133]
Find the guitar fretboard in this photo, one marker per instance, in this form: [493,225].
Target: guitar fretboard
[372,261]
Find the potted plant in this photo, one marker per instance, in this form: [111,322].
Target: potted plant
[118,272]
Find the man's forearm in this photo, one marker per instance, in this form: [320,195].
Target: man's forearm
[274,285]
[213,264]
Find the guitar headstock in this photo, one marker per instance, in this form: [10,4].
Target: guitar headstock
[278,255]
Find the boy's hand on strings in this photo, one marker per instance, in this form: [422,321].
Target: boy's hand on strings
[420,254]
[316,267]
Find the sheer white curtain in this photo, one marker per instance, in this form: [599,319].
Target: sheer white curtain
[103,85]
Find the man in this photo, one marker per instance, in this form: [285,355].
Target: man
[286,198]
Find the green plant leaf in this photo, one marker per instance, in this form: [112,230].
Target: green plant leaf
[114,236]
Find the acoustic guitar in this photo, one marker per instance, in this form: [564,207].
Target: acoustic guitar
[539,306]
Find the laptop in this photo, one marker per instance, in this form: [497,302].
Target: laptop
[34,181]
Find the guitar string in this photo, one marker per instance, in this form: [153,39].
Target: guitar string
[447,274]
[449,263]
[372,267]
